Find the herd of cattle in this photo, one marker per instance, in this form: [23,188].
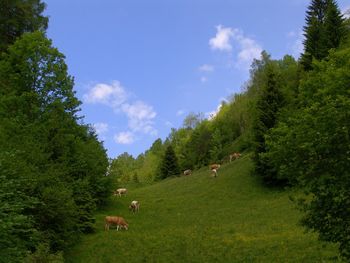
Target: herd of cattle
[135,205]
[118,220]
[214,167]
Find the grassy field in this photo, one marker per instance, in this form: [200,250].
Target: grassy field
[198,218]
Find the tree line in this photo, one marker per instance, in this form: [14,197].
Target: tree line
[292,115]
[52,167]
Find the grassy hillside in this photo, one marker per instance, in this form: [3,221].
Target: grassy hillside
[231,218]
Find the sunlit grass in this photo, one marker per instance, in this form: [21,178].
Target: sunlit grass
[231,218]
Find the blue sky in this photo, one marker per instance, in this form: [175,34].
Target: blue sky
[141,66]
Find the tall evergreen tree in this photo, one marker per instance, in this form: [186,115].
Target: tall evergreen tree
[323,30]
[333,25]
[169,165]
[268,104]
[315,40]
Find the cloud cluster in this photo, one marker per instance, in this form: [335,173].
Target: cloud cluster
[111,95]
[100,128]
[180,112]
[139,114]
[249,48]
[226,37]
[124,137]
[221,41]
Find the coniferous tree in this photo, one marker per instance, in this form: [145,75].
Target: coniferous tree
[323,30]
[267,106]
[169,165]
[333,25]
[315,39]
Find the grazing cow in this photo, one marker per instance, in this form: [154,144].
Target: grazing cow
[214,168]
[120,191]
[234,156]
[115,220]
[134,206]
[188,172]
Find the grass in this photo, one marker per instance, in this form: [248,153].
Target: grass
[231,218]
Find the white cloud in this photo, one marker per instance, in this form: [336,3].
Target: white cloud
[221,41]
[206,68]
[204,79]
[139,114]
[180,112]
[140,117]
[248,48]
[124,138]
[109,94]
[100,128]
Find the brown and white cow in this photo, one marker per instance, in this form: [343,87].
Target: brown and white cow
[115,220]
[234,156]
[134,206]
[214,168]
[120,191]
[188,172]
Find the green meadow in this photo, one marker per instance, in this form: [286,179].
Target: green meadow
[198,218]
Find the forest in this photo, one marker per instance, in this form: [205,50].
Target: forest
[292,117]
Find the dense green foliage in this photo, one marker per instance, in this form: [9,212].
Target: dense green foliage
[311,146]
[18,17]
[52,168]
